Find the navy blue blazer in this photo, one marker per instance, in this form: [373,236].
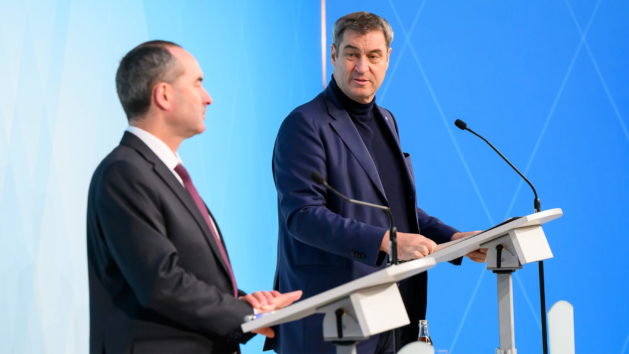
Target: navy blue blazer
[325,241]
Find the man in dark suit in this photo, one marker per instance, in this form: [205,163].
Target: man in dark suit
[353,143]
[160,278]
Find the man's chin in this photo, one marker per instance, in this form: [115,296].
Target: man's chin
[362,98]
[361,94]
[200,129]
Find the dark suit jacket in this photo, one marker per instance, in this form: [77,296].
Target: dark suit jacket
[157,281]
[325,241]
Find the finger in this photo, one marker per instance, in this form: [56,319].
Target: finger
[268,297]
[296,295]
[251,301]
[265,331]
[476,256]
[432,247]
[275,293]
[261,298]
[479,259]
[287,299]
[482,252]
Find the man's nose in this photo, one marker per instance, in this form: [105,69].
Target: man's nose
[362,65]
[207,99]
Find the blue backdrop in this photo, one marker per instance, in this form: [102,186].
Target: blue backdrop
[546,81]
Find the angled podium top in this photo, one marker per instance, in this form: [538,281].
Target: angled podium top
[458,248]
[312,304]
[445,252]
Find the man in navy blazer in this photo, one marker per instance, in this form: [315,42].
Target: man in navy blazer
[160,278]
[353,143]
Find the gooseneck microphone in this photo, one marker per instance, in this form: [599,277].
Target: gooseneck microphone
[538,207]
[392,229]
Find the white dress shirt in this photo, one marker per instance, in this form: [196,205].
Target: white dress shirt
[169,158]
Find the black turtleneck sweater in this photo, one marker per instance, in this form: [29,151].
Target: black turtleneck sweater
[381,144]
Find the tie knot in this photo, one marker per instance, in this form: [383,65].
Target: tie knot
[182,172]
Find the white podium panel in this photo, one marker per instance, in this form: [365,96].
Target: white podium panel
[458,248]
[318,303]
[364,314]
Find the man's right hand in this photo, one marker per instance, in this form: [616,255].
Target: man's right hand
[409,246]
[267,301]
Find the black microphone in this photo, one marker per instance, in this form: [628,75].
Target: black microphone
[392,229]
[538,207]
[460,124]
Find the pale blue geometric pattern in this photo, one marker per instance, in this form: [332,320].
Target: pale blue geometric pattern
[545,81]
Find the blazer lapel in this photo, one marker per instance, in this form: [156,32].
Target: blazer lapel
[346,129]
[171,181]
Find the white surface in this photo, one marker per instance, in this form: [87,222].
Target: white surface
[561,328]
[417,348]
[363,315]
[311,305]
[530,243]
[377,317]
[454,249]
[505,311]
[458,248]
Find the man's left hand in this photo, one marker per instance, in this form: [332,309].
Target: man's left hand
[477,256]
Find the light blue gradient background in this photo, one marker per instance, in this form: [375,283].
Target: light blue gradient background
[546,81]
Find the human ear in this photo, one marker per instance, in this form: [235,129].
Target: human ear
[333,53]
[162,96]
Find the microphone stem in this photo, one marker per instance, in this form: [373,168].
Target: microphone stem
[392,229]
[537,205]
[538,208]
[392,238]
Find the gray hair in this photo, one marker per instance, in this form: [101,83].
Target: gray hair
[139,70]
[361,22]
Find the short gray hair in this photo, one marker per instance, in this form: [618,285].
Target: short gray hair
[139,70]
[361,22]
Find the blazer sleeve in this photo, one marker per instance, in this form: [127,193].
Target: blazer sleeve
[434,228]
[136,241]
[299,151]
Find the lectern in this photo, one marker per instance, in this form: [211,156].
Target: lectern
[356,310]
[372,304]
[510,245]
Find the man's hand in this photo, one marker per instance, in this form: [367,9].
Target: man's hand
[409,246]
[477,256]
[266,301]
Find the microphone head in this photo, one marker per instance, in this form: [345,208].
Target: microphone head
[460,124]
[317,178]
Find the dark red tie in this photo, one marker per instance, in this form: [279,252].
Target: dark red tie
[187,182]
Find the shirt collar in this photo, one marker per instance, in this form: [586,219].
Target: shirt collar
[166,155]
